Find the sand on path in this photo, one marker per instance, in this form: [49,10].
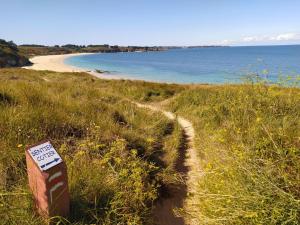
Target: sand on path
[188,159]
[189,165]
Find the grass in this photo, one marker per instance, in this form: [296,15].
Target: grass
[248,140]
[116,161]
[119,156]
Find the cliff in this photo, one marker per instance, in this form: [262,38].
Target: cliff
[10,56]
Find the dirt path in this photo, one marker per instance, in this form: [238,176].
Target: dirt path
[188,165]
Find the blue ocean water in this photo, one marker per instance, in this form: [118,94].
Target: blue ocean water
[197,65]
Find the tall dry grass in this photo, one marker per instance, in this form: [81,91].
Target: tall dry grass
[118,155]
[248,140]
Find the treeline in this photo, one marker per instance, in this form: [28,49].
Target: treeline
[12,55]
[32,50]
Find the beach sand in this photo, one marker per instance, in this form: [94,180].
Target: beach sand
[56,63]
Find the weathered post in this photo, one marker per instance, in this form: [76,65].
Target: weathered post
[48,181]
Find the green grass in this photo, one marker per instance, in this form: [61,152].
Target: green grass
[117,155]
[248,140]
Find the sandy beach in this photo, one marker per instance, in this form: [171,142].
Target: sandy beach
[56,63]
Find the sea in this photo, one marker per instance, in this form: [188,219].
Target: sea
[213,65]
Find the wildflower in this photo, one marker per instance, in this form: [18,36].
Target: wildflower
[100,146]
[20,145]
[208,166]
[118,160]
[222,140]
[150,140]
[134,152]
[251,214]
[80,153]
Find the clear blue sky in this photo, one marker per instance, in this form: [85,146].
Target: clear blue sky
[151,22]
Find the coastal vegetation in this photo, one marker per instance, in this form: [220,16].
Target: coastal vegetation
[248,141]
[33,50]
[120,157]
[10,55]
[117,162]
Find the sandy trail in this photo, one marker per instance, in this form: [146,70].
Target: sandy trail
[188,165]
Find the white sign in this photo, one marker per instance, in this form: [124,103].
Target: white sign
[45,155]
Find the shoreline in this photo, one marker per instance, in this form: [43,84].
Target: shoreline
[57,63]
[54,63]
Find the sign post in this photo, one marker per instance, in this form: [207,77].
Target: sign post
[48,181]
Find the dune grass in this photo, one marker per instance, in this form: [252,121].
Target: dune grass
[248,140]
[118,155]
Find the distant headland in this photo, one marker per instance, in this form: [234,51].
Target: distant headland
[13,55]
[33,50]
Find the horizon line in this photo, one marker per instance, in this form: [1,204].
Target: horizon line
[181,46]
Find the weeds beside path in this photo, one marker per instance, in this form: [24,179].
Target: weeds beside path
[188,165]
[118,156]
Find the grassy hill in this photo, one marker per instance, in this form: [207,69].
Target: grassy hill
[10,55]
[120,157]
[248,140]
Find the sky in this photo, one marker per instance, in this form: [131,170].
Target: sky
[151,22]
